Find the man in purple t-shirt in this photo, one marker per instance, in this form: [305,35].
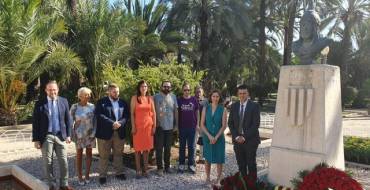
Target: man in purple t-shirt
[188,109]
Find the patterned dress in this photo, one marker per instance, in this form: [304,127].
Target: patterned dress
[214,153]
[84,133]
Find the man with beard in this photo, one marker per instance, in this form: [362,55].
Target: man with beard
[112,114]
[166,109]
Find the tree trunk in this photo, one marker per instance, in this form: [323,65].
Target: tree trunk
[72,5]
[262,48]
[203,22]
[346,46]
[289,31]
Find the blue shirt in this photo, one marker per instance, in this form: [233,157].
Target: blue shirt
[54,118]
[115,105]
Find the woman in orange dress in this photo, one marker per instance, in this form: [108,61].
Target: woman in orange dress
[143,122]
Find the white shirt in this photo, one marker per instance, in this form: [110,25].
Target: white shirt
[115,105]
[242,111]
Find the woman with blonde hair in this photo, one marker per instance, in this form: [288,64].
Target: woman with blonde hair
[83,131]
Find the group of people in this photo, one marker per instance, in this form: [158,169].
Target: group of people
[154,119]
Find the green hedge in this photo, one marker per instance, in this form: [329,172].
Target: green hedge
[357,149]
[127,80]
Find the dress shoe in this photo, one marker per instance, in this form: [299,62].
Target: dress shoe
[160,172]
[121,176]
[102,180]
[66,188]
[168,171]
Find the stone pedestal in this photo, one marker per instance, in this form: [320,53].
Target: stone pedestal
[23,180]
[308,122]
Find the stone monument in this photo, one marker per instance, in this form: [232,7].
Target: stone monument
[308,116]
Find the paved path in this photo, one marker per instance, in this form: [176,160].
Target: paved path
[356,123]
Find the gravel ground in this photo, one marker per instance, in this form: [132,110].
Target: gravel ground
[31,162]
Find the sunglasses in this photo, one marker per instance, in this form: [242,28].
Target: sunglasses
[186,90]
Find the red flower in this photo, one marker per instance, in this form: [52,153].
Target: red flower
[324,178]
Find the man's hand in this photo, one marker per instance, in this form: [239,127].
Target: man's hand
[77,123]
[37,144]
[240,139]
[68,140]
[116,125]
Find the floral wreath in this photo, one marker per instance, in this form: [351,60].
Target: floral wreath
[323,177]
[237,181]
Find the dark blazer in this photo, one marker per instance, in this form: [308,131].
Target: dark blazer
[251,121]
[105,118]
[41,119]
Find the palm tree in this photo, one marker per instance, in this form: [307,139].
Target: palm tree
[350,14]
[146,22]
[151,13]
[27,49]
[98,38]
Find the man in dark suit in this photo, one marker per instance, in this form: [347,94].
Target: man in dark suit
[244,121]
[112,114]
[51,129]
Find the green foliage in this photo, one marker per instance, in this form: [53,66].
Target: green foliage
[298,180]
[363,97]
[25,112]
[28,48]
[348,95]
[127,79]
[123,76]
[357,149]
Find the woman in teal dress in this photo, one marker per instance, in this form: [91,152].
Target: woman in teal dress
[213,124]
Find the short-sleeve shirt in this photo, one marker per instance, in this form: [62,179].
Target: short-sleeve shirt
[188,117]
[165,106]
[202,103]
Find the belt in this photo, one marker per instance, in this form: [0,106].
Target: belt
[55,134]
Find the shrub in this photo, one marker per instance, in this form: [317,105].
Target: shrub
[357,149]
[361,101]
[127,79]
[348,95]
[24,112]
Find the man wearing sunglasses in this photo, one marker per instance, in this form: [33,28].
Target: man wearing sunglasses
[188,123]
[166,108]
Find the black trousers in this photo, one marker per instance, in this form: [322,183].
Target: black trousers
[162,144]
[246,157]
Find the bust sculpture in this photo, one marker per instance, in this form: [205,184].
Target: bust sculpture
[311,48]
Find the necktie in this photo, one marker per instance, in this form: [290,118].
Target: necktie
[241,119]
[53,117]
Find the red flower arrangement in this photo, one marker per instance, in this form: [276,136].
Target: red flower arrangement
[239,182]
[324,177]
